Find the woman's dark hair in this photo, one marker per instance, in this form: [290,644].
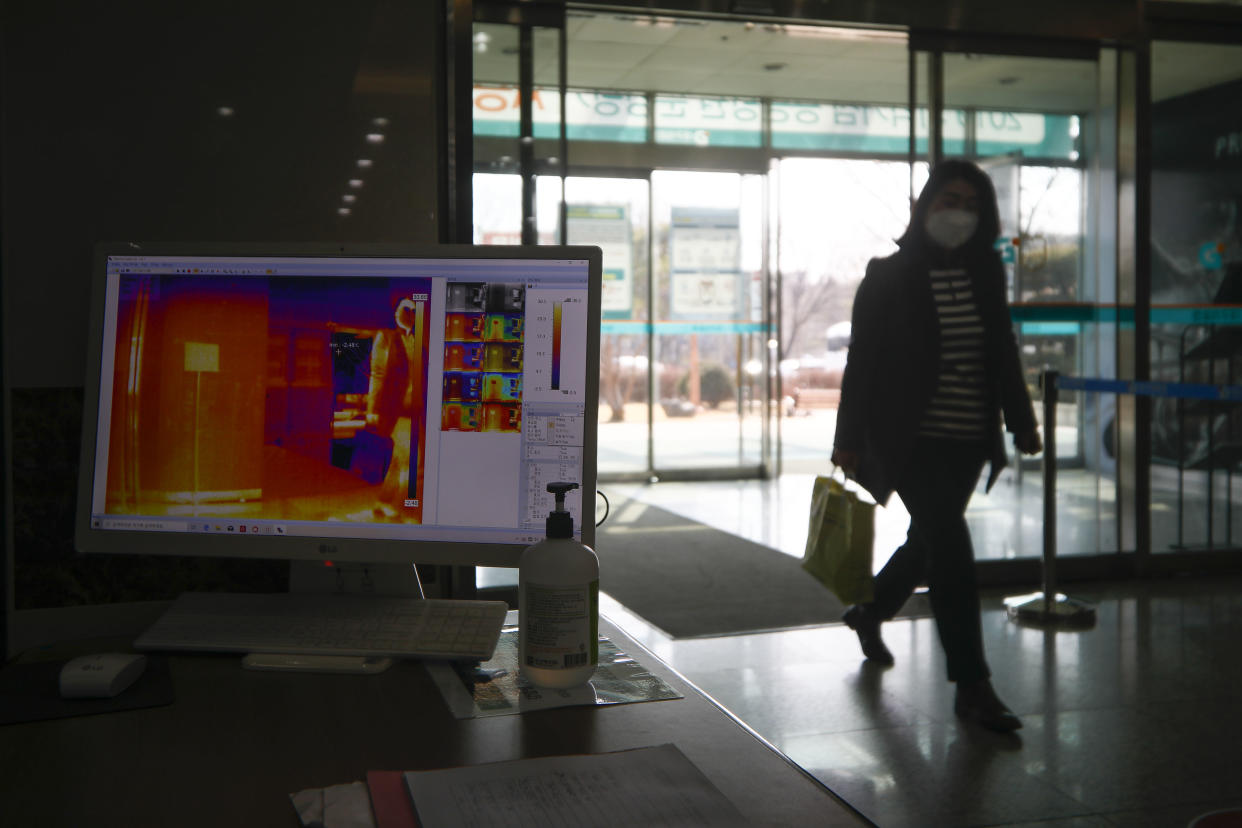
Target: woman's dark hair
[915,237]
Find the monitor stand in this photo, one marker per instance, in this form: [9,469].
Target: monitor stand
[352,579]
[355,578]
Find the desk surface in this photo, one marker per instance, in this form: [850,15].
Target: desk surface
[236,743]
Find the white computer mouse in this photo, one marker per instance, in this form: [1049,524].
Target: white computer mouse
[101,675]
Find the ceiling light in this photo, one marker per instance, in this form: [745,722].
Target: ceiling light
[349,198]
[841,33]
[225,111]
[380,122]
[375,138]
[659,22]
[356,183]
[363,163]
[343,211]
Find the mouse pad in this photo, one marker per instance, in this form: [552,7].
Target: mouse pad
[31,692]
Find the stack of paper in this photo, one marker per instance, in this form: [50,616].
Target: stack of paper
[647,787]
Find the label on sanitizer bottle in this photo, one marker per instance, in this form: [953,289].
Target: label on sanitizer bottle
[562,625]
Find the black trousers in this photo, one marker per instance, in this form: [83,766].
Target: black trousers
[935,489]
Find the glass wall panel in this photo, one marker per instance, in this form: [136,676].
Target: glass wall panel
[1196,291]
[1022,119]
[708,122]
[497,107]
[589,115]
[497,208]
[613,213]
[498,101]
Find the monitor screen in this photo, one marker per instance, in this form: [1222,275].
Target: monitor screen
[338,403]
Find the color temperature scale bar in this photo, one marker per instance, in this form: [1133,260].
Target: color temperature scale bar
[556,345]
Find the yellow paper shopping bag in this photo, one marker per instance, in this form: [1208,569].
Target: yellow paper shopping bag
[839,541]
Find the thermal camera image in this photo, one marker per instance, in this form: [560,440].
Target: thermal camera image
[295,398]
[463,327]
[483,332]
[503,417]
[463,356]
[499,356]
[456,416]
[463,386]
[502,327]
[502,387]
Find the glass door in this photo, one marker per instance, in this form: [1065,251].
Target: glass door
[709,359]
[1032,121]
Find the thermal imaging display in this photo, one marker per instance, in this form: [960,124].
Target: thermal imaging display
[496,377]
[267,397]
[338,396]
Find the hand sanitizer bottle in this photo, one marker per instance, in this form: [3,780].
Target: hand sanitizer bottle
[558,604]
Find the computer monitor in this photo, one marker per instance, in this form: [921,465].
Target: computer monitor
[338,403]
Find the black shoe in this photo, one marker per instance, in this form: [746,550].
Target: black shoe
[862,620]
[977,702]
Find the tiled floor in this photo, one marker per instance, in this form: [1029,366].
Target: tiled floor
[1135,722]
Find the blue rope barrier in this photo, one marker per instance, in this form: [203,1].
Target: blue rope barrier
[1174,390]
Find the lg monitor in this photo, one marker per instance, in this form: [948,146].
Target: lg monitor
[338,404]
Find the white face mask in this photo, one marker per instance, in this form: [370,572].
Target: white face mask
[951,228]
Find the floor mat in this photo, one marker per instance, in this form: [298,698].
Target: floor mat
[694,581]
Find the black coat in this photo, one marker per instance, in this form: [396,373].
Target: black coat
[894,360]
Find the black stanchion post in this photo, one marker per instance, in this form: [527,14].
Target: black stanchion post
[1049,381]
[1048,606]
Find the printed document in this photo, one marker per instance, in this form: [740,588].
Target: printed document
[655,787]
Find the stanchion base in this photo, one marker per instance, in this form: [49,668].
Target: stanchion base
[1036,608]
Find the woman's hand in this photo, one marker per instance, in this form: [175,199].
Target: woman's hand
[1029,443]
[847,460]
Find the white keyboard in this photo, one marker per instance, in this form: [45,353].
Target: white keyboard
[328,624]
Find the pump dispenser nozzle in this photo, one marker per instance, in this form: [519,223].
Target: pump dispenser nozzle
[560,523]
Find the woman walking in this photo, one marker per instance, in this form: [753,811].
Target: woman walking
[932,366]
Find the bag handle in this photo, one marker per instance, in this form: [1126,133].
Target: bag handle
[857,489]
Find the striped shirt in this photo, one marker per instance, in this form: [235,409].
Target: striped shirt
[958,409]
